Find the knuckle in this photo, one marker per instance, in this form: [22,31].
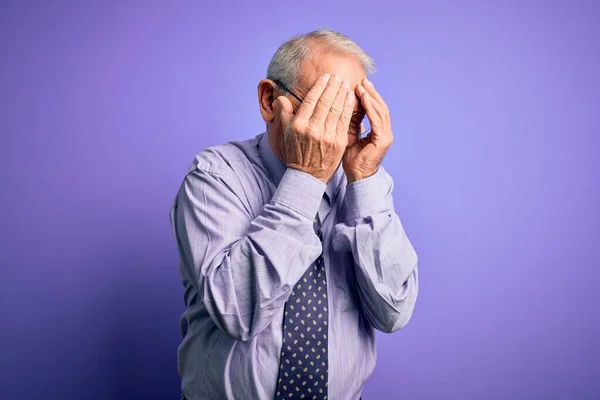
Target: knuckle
[309,101]
[311,130]
[298,125]
[335,111]
[326,102]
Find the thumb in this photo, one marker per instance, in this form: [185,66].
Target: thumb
[284,109]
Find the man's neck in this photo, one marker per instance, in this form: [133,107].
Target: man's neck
[276,144]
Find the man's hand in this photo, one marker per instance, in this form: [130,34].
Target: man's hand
[363,158]
[316,137]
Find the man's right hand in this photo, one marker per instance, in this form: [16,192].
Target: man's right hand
[315,139]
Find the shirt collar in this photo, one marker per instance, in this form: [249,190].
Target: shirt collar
[276,168]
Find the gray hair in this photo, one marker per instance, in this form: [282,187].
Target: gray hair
[287,62]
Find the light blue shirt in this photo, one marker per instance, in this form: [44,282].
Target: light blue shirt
[243,224]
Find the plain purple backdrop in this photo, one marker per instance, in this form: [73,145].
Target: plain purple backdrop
[495,107]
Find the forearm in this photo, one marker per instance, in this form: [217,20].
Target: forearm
[386,275]
[246,269]
[248,283]
[385,262]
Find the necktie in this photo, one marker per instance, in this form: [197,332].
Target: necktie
[303,365]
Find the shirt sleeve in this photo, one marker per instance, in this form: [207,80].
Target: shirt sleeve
[385,261]
[245,267]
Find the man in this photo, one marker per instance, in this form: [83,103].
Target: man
[291,251]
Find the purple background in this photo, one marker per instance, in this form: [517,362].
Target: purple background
[496,114]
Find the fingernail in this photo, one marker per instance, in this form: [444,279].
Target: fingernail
[368,82]
[326,76]
[337,78]
[347,84]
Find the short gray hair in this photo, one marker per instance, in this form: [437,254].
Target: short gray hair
[287,62]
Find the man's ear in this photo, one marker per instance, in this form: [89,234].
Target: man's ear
[266,97]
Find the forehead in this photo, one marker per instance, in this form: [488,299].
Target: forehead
[345,67]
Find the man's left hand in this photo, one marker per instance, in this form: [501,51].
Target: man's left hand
[362,159]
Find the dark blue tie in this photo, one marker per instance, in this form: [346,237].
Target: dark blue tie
[303,366]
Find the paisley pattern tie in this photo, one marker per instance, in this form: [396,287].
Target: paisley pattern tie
[303,369]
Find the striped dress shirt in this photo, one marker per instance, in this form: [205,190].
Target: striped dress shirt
[243,225]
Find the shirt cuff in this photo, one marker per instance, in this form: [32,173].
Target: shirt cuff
[364,198]
[301,192]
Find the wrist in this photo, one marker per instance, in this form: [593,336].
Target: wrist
[357,176]
[364,197]
[300,191]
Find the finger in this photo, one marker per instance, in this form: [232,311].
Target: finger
[368,85]
[337,107]
[383,124]
[344,120]
[312,97]
[376,110]
[326,101]
[379,134]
